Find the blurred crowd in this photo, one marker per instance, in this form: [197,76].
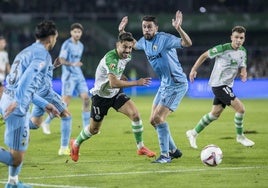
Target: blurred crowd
[20,36]
[133,6]
[258,67]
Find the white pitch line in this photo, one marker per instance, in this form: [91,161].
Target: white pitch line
[148,172]
[131,173]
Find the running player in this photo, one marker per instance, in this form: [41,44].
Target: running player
[230,57]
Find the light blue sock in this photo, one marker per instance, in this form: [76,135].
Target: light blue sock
[172,145]
[6,157]
[14,171]
[66,127]
[86,118]
[32,125]
[163,138]
[48,119]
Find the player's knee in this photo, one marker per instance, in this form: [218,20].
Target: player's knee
[17,161]
[155,120]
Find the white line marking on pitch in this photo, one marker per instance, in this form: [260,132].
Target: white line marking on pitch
[148,172]
[129,173]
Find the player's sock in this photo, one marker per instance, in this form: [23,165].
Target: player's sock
[86,118]
[48,119]
[13,180]
[32,125]
[204,121]
[238,119]
[137,129]
[13,173]
[66,127]
[6,157]
[163,138]
[83,136]
[172,145]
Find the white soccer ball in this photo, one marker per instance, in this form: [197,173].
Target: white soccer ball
[211,155]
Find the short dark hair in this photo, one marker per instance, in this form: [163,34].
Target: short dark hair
[239,29]
[45,29]
[77,26]
[127,36]
[150,18]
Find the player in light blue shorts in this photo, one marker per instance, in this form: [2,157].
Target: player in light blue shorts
[170,96]
[27,71]
[47,92]
[73,81]
[160,49]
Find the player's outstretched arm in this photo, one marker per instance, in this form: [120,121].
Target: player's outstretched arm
[116,83]
[123,24]
[197,64]
[176,23]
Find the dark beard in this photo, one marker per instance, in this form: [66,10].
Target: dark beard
[148,37]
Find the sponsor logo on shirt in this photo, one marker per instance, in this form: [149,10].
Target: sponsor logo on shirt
[153,57]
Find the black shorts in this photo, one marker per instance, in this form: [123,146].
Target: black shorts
[100,105]
[223,95]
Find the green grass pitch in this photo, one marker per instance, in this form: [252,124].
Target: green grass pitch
[110,160]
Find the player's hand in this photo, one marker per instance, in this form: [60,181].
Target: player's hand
[123,23]
[65,113]
[57,62]
[144,81]
[52,110]
[10,109]
[178,20]
[192,75]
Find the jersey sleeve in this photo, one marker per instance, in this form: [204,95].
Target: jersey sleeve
[215,51]
[139,44]
[172,41]
[64,50]
[111,64]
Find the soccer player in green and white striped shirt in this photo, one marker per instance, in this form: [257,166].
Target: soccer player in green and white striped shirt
[107,93]
[229,59]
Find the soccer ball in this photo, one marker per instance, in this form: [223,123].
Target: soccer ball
[211,155]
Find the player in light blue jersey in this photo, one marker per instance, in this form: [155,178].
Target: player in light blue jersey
[46,91]
[160,49]
[27,71]
[72,81]
[229,59]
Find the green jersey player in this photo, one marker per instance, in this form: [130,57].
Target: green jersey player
[229,59]
[107,92]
